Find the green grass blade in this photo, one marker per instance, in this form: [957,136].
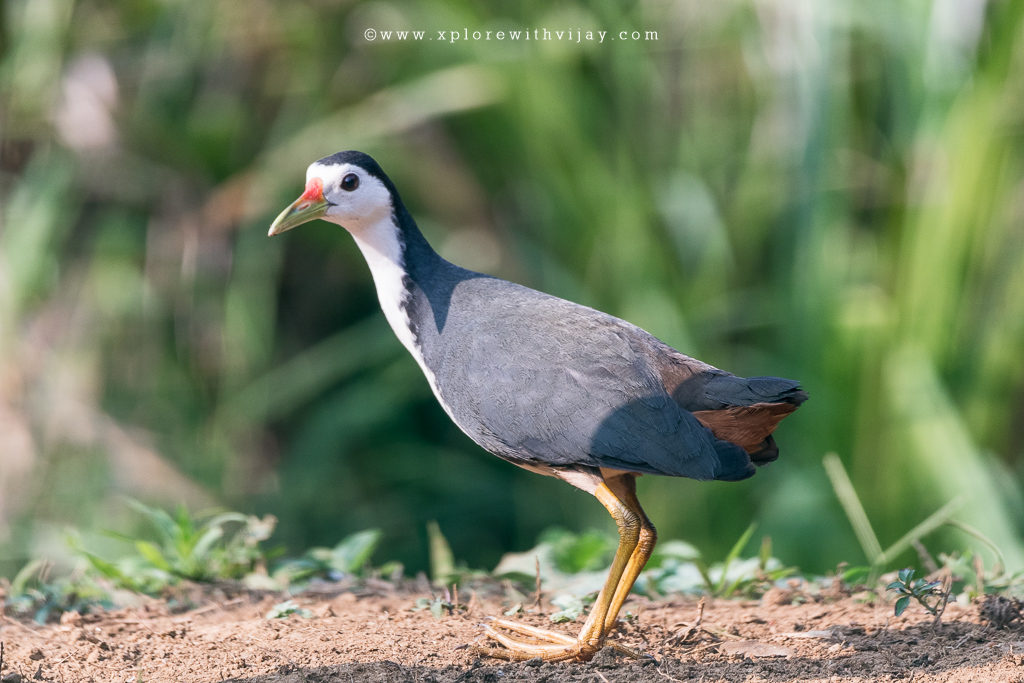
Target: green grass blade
[167,529]
[848,498]
[734,552]
[201,551]
[152,554]
[21,579]
[930,524]
[442,561]
[971,531]
[353,552]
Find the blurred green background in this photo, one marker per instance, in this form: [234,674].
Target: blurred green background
[829,191]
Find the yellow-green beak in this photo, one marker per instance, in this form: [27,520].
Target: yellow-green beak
[310,206]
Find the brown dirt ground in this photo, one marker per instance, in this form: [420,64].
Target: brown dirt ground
[374,635]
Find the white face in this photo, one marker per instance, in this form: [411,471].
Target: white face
[355,198]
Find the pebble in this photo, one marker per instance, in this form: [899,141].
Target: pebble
[754,649]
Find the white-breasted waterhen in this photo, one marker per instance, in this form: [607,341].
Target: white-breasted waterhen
[549,385]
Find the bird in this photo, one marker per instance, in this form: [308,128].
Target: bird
[552,386]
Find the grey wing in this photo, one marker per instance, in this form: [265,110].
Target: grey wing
[714,389]
[578,389]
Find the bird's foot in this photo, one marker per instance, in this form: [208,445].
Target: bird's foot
[539,643]
[547,645]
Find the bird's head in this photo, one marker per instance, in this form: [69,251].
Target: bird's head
[347,188]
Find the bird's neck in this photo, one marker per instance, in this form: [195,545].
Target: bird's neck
[400,259]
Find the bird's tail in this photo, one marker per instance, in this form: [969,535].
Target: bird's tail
[758,404]
[769,452]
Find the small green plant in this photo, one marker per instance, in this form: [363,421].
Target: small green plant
[591,550]
[514,610]
[204,547]
[569,607]
[349,557]
[748,577]
[929,594]
[283,610]
[972,578]
[678,567]
[576,564]
[34,593]
[438,606]
[853,576]
[562,562]
[443,568]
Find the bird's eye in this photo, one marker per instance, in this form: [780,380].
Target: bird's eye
[350,182]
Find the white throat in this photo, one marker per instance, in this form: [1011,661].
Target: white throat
[382,250]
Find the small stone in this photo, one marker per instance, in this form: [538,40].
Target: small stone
[826,634]
[777,596]
[36,655]
[754,649]
[71,618]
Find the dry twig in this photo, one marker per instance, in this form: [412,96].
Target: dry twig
[681,637]
[536,600]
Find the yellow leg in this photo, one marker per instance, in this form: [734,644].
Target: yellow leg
[636,541]
[625,490]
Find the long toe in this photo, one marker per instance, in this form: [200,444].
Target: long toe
[533,643]
[541,634]
[519,650]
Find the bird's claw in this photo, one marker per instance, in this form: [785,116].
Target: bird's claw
[549,646]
